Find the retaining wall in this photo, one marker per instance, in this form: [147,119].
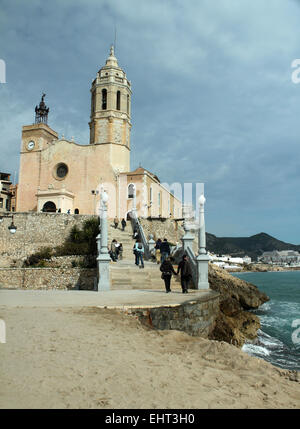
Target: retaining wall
[47,278]
[196,318]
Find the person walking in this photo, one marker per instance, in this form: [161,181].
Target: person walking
[121,251]
[167,269]
[113,249]
[164,250]
[116,222]
[157,250]
[139,253]
[123,223]
[117,246]
[185,273]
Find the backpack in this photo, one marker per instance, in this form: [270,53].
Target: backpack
[140,246]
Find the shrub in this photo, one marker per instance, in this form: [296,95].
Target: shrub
[38,258]
[81,242]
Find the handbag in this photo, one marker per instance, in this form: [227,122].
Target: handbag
[166,274]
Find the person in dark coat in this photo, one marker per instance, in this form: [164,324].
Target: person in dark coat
[185,273]
[167,269]
[164,250]
[157,250]
[123,223]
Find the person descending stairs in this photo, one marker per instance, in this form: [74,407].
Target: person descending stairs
[125,274]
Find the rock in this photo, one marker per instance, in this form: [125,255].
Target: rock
[247,294]
[230,307]
[233,324]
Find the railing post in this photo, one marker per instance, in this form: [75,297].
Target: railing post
[151,243]
[202,258]
[103,259]
[188,238]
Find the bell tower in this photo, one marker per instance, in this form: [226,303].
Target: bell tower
[110,112]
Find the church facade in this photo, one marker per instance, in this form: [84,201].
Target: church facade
[60,175]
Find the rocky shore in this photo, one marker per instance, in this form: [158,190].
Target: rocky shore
[234,323]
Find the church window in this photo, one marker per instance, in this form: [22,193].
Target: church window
[131,190]
[150,195]
[159,199]
[128,104]
[118,100]
[104,99]
[93,102]
[61,170]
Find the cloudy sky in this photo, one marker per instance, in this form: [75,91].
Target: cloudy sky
[213,99]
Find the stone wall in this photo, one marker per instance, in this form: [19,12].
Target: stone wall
[37,230]
[47,278]
[195,318]
[167,228]
[34,230]
[163,228]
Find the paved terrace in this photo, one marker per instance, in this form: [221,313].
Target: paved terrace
[106,299]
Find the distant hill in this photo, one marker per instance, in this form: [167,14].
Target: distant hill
[252,246]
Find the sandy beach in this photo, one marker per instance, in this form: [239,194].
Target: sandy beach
[57,357]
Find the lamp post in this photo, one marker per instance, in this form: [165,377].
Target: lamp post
[202,258]
[103,259]
[12,227]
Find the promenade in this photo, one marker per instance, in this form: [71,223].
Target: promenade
[108,299]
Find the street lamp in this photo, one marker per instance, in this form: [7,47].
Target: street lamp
[12,227]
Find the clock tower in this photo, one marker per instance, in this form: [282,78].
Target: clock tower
[35,138]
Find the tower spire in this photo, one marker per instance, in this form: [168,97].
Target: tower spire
[41,112]
[112,60]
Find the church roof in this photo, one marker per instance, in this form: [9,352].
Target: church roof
[141,170]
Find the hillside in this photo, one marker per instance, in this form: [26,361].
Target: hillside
[252,246]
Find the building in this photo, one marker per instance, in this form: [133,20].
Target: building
[60,175]
[5,192]
[280,257]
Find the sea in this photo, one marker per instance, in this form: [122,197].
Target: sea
[278,340]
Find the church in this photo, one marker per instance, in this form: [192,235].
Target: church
[58,175]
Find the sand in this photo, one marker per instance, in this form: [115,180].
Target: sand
[98,358]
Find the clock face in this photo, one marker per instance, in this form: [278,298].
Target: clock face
[30,145]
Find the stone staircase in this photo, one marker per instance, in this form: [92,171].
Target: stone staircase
[126,275]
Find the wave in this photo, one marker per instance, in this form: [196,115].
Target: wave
[268,341]
[255,350]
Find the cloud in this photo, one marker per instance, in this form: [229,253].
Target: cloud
[212,101]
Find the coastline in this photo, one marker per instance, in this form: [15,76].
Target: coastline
[99,358]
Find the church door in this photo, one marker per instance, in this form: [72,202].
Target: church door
[50,207]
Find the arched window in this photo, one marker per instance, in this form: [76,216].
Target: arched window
[128,104]
[118,100]
[93,102]
[131,190]
[76,211]
[104,99]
